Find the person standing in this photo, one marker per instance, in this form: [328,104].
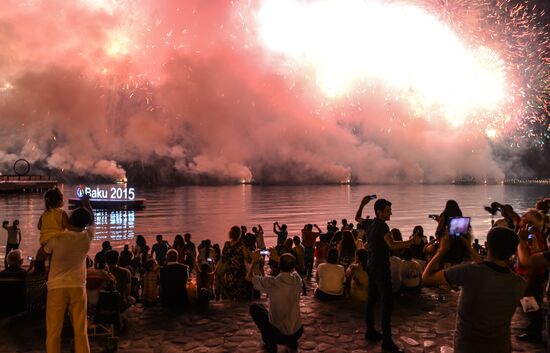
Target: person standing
[380,243]
[159,250]
[14,237]
[67,280]
[308,240]
[282,233]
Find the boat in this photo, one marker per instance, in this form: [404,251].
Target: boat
[110,203]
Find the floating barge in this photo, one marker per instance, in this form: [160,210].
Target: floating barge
[135,204]
[26,183]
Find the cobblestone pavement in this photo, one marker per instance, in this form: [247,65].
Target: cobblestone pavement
[422,323]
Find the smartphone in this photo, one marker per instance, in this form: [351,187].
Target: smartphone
[433,216]
[209,259]
[264,252]
[458,226]
[372,197]
[30,258]
[530,237]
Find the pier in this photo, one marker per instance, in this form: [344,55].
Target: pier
[26,183]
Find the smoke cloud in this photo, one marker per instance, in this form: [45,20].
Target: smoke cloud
[161,91]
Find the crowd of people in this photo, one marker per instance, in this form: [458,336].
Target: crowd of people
[365,262]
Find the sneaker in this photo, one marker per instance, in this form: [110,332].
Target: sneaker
[373,336]
[390,347]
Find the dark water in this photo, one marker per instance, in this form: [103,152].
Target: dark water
[209,212]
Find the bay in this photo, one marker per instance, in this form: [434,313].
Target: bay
[209,211]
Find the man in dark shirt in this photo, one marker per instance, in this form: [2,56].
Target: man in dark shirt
[489,293]
[122,275]
[159,250]
[190,252]
[99,259]
[308,241]
[281,232]
[380,243]
[173,281]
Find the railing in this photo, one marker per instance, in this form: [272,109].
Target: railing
[7,178]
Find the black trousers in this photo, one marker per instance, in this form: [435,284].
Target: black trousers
[308,261]
[270,334]
[535,288]
[380,288]
[319,294]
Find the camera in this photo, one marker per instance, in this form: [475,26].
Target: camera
[493,209]
[264,252]
[209,259]
[30,258]
[433,216]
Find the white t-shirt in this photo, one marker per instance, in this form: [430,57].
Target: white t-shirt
[411,273]
[331,278]
[395,268]
[68,262]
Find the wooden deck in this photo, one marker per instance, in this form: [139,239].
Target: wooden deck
[26,183]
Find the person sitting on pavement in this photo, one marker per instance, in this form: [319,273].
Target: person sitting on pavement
[99,259]
[14,261]
[330,278]
[125,257]
[282,323]
[36,286]
[123,278]
[489,294]
[357,276]
[150,293]
[411,271]
[173,281]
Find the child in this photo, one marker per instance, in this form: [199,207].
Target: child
[150,292]
[205,282]
[54,220]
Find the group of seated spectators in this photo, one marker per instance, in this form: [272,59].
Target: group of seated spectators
[338,257]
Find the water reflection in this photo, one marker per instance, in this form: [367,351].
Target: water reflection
[115,224]
[208,212]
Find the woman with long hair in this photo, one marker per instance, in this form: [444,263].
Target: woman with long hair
[179,246]
[451,210]
[234,256]
[346,249]
[357,278]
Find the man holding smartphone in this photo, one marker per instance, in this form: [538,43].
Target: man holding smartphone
[489,294]
[380,243]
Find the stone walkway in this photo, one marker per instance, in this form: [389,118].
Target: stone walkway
[421,324]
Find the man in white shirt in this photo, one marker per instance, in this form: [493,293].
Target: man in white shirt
[282,324]
[330,278]
[67,280]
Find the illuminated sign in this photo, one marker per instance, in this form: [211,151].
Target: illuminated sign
[106,193]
